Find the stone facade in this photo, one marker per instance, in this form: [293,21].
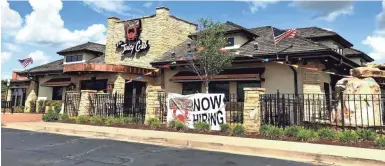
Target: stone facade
[161,30]
[30,101]
[84,104]
[313,80]
[252,109]
[152,102]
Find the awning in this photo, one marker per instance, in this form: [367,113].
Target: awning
[57,82]
[227,75]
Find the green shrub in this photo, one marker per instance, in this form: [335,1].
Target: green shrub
[225,128]
[40,106]
[380,141]
[50,116]
[239,130]
[264,129]
[57,108]
[153,122]
[306,135]
[327,133]
[292,131]
[82,119]
[180,126]
[96,120]
[172,124]
[366,134]
[128,120]
[275,132]
[64,117]
[111,121]
[202,126]
[348,136]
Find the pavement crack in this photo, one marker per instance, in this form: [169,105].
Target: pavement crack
[85,152]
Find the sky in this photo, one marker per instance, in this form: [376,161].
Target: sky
[40,28]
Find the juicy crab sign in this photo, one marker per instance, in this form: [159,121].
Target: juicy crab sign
[132,44]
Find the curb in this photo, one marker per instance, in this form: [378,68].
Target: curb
[209,146]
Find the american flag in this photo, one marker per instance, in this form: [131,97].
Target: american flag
[25,62]
[282,34]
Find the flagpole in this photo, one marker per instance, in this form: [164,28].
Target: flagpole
[275,45]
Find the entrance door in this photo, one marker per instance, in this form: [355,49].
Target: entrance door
[134,99]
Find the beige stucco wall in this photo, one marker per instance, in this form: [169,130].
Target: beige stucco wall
[162,31]
[277,77]
[239,40]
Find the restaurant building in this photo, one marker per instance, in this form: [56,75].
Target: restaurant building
[136,51]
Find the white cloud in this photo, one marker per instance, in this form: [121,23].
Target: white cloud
[10,19]
[147,4]
[116,6]
[44,26]
[256,5]
[38,57]
[326,10]
[12,47]
[377,41]
[5,56]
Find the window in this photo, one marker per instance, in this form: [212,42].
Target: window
[74,58]
[57,93]
[230,42]
[18,96]
[98,85]
[244,84]
[219,87]
[191,88]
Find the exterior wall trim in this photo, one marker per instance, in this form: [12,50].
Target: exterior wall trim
[107,68]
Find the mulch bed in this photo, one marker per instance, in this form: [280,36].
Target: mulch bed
[163,127]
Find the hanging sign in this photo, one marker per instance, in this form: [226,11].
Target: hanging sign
[189,109]
[133,44]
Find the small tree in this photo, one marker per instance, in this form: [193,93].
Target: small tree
[210,58]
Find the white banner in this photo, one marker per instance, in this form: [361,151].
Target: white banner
[189,109]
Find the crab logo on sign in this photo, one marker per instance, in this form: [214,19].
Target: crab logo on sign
[133,43]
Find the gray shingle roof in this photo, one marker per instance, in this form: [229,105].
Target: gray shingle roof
[351,52]
[265,43]
[317,33]
[231,27]
[89,46]
[57,66]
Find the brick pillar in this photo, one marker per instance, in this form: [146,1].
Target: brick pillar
[84,104]
[152,102]
[31,97]
[252,109]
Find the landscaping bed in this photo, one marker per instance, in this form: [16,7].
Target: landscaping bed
[362,138]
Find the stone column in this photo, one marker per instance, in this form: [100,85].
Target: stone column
[252,109]
[119,84]
[9,94]
[152,102]
[84,104]
[30,102]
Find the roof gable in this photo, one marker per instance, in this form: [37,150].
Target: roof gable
[87,47]
[317,33]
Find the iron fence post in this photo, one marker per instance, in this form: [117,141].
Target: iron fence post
[342,110]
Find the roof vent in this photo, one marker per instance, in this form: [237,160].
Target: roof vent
[256,45]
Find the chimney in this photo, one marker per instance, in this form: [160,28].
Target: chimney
[162,10]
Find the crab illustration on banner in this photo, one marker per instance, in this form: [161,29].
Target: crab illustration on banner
[190,109]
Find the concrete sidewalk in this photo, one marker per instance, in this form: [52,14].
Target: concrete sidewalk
[269,148]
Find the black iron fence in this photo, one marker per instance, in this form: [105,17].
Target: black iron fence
[71,103]
[337,109]
[118,105]
[6,105]
[234,109]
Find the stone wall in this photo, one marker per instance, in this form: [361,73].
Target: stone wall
[313,81]
[161,30]
[152,102]
[252,109]
[84,105]
[30,102]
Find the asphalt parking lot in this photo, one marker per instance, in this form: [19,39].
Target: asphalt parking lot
[28,148]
